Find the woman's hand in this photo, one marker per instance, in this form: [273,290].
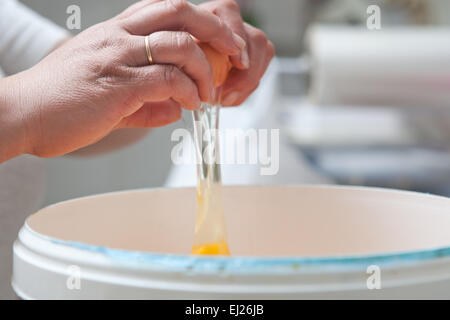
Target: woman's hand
[101,80]
[251,63]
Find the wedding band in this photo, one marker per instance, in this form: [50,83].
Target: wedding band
[147,49]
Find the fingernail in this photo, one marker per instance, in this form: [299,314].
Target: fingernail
[245,60]
[230,98]
[238,41]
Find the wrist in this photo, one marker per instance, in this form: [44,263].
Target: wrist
[14,136]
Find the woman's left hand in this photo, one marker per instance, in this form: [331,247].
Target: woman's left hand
[252,62]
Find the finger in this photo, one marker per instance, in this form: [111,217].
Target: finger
[173,15]
[241,83]
[158,83]
[177,48]
[230,13]
[135,7]
[155,114]
[240,97]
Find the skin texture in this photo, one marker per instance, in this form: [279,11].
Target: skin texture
[101,80]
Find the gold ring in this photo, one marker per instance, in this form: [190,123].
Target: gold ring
[147,49]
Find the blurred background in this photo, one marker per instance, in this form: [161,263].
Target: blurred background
[354,105]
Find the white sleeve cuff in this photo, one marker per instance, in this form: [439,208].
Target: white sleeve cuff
[26,36]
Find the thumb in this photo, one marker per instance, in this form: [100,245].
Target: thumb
[153,114]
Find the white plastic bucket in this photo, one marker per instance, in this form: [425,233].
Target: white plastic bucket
[286,242]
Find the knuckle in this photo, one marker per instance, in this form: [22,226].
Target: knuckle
[260,36]
[255,34]
[178,6]
[95,67]
[223,29]
[157,40]
[106,36]
[111,52]
[232,5]
[122,49]
[102,42]
[170,74]
[106,75]
[100,69]
[183,41]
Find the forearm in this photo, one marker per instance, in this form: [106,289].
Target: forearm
[13,133]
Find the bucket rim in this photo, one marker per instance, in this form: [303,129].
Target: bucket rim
[171,262]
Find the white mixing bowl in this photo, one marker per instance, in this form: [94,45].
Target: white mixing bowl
[286,242]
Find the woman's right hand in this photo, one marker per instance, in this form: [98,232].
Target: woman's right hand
[101,80]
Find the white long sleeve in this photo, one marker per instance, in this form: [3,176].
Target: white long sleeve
[25,36]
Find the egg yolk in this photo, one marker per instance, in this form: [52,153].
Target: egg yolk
[218,248]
